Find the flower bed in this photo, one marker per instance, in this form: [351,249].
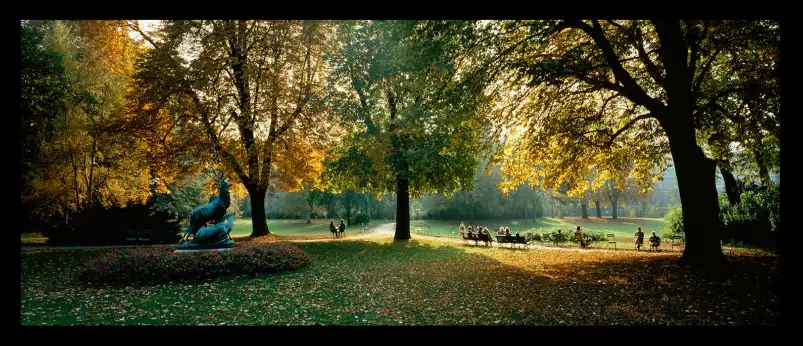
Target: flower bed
[161,265]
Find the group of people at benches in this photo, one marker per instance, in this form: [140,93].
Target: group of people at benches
[339,231]
[483,234]
[638,238]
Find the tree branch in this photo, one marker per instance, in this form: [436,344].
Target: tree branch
[627,126]
[701,76]
[630,88]
[652,69]
[228,158]
[695,49]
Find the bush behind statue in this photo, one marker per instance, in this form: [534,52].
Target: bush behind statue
[109,226]
[153,265]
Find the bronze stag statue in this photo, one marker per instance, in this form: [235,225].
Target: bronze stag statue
[199,235]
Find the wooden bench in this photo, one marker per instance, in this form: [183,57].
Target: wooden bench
[478,238]
[512,240]
[134,236]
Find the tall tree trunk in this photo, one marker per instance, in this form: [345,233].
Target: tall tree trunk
[90,181]
[731,186]
[698,196]
[258,220]
[347,200]
[525,213]
[309,215]
[76,188]
[402,209]
[763,172]
[584,205]
[695,172]
[599,211]
[614,209]
[552,206]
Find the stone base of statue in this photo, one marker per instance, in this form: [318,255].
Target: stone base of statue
[203,250]
[200,245]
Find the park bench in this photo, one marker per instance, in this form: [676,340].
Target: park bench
[611,239]
[134,236]
[677,241]
[478,238]
[503,239]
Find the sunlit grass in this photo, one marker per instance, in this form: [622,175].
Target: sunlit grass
[33,238]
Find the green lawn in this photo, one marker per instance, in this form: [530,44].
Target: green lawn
[379,282]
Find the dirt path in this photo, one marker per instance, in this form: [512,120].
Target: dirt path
[378,231]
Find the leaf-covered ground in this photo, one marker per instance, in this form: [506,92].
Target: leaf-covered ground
[424,282]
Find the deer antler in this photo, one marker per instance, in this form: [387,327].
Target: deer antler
[212,173]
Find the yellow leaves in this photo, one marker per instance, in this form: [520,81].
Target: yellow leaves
[300,162]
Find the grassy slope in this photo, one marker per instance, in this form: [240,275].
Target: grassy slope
[421,282]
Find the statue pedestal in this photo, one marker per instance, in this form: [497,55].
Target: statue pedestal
[202,250]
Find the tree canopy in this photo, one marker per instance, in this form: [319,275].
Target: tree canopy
[409,128]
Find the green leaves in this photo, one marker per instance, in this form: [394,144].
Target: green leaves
[405,110]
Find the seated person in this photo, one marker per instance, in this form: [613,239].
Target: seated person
[578,236]
[486,236]
[462,229]
[507,233]
[655,241]
[470,233]
[519,237]
[501,231]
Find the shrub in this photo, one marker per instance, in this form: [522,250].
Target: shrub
[361,219]
[554,237]
[108,226]
[161,265]
[755,220]
[598,237]
[532,236]
[673,222]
